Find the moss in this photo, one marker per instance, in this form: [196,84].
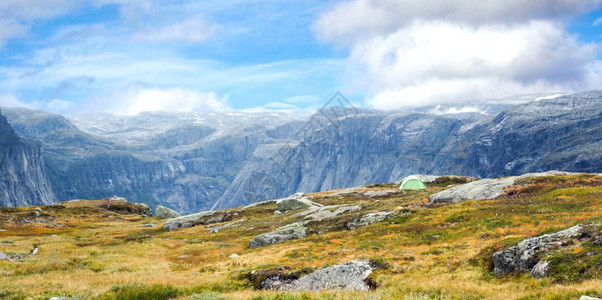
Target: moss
[135,292]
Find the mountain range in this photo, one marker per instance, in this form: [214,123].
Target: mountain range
[193,162]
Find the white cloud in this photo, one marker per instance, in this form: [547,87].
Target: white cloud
[10,100]
[412,52]
[302,99]
[15,15]
[193,30]
[597,22]
[139,99]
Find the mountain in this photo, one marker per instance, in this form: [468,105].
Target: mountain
[23,178]
[193,162]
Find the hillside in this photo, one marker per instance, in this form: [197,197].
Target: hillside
[432,244]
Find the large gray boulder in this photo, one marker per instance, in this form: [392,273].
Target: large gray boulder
[482,189]
[289,232]
[368,219]
[166,213]
[352,276]
[295,202]
[201,218]
[523,257]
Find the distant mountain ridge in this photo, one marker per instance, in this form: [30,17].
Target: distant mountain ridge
[194,162]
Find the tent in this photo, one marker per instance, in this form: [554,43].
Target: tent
[412,183]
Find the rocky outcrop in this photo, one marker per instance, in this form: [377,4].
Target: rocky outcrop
[5,257]
[295,202]
[524,256]
[218,228]
[367,219]
[23,175]
[482,189]
[289,232]
[166,213]
[202,218]
[351,276]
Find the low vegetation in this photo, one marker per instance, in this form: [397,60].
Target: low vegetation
[88,250]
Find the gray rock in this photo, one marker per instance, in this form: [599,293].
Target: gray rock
[350,276]
[328,212]
[233,256]
[584,297]
[35,251]
[540,270]
[482,189]
[368,219]
[289,232]
[523,256]
[381,193]
[218,228]
[285,205]
[5,257]
[201,218]
[166,213]
[149,225]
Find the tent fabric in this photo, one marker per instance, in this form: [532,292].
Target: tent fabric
[412,183]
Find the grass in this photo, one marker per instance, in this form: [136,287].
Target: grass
[438,252]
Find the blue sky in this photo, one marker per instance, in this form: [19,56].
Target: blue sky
[127,56]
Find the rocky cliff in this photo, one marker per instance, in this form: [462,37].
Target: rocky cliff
[23,178]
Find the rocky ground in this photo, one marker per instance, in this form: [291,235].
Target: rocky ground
[525,237]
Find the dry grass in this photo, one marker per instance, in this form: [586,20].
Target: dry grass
[436,252]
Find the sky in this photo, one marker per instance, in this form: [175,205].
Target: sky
[129,56]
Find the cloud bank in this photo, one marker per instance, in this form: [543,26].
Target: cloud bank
[415,52]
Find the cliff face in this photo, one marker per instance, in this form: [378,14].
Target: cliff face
[194,162]
[23,180]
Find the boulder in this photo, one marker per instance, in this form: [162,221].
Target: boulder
[540,270]
[5,257]
[523,257]
[218,228]
[482,189]
[166,213]
[289,232]
[328,212]
[201,218]
[352,276]
[584,297]
[380,193]
[294,202]
[367,219]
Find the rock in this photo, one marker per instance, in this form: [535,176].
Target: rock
[289,232]
[277,212]
[233,256]
[57,298]
[118,199]
[35,251]
[294,202]
[540,269]
[218,228]
[149,225]
[482,189]
[523,256]
[368,219]
[381,193]
[201,218]
[166,213]
[350,276]
[5,257]
[584,297]
[328,212]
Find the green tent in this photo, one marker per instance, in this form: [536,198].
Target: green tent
[412,183]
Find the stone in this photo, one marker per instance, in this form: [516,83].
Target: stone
[165,212]
[328,212]
[289,232]
[380,193]
[35,251]
[522,257]
[584,297]
[5,257]
[351,276]
[482,189]
[540,270]
[368,219]
[149,225]
[233,256]
[201,218]
[218,228]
